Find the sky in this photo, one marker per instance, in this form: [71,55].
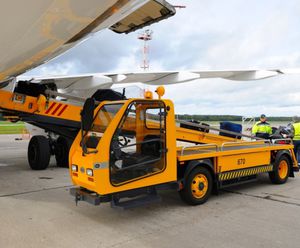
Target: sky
[207,35]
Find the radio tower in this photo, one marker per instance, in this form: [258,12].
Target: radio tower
[145,37]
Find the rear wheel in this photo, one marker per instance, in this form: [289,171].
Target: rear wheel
[198,187]
[38,153]
[61,152]
[281,170]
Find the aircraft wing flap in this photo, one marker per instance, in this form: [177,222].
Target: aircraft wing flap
[151,12]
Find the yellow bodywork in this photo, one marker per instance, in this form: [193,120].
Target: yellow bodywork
[235,156]
[102,184]
[19,103]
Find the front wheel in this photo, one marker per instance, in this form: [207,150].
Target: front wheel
[198,187]
[281,170]
[38,152]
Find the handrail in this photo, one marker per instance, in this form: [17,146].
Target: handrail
[253,142]
[198,146]
[242,142]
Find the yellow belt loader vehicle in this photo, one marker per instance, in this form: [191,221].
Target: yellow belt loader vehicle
[128,150]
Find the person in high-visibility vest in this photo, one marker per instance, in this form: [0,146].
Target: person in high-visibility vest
[262,128]
[295,134]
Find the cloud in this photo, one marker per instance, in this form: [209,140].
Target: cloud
[215,35]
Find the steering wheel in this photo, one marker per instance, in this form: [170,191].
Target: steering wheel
[125,141]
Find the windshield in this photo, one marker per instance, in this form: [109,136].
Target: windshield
[101,121]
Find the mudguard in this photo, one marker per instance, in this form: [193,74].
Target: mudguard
[207,163]
[288,155]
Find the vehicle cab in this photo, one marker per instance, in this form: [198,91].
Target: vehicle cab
[124,146]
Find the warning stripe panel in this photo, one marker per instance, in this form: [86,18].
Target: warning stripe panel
[62,110]
[244,172]
[50,108]
[56,109]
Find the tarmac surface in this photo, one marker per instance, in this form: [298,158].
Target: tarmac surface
[36,210]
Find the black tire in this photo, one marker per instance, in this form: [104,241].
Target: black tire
[281,170]
[188,194]
[38,153]
[61,151]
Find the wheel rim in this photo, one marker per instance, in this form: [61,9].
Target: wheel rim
[199,186]
[283,169]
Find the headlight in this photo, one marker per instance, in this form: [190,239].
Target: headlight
[74,167]
[89,172]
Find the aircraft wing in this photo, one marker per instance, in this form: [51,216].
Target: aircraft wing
[41,30]
[88,83]
[173,77]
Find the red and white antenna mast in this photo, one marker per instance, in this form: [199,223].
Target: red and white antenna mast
[145,37]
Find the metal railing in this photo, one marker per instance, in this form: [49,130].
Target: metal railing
[197,147]
[254,142]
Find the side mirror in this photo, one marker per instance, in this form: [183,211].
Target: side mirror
[87,114]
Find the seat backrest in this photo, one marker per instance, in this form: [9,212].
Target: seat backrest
[151,148]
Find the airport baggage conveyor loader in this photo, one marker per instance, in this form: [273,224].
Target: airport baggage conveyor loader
[128,150]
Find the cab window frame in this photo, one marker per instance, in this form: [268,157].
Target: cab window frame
[163,119]
[163,153]
[121,103]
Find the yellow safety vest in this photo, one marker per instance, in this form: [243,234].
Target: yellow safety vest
[262,127]
[296,131]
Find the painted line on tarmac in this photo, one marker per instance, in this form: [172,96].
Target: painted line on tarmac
[35,191]
[4,165]
[268,197]
[8,148]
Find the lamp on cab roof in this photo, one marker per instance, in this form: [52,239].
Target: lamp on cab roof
[160,91]
[148,94]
